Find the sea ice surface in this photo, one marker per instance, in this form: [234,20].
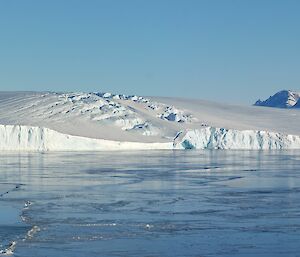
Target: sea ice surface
[151,203]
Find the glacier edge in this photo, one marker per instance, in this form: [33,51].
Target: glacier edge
[30,138]
[221,138]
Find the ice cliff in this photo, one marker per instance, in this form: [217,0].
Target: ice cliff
[27,138]
[51,121]
[221,138]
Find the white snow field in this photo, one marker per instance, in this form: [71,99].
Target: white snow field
[48,121]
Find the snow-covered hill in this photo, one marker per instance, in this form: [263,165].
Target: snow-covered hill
[282,99]
[104,121]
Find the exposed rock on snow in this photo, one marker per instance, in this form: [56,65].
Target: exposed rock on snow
[282,99]
[297,105]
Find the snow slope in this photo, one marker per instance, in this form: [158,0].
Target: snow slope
[103,121]
[95,115]
[237,117]
[282,99]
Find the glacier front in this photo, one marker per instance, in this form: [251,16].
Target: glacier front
[29,138]
[57,121]
[221,138]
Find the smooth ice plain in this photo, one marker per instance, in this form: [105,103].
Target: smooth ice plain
[154,203]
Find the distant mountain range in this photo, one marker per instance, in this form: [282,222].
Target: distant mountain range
[282,99]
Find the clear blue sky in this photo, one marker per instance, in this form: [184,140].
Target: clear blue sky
[219,50]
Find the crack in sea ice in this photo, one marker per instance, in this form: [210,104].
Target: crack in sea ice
[10,248]
[17,186]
